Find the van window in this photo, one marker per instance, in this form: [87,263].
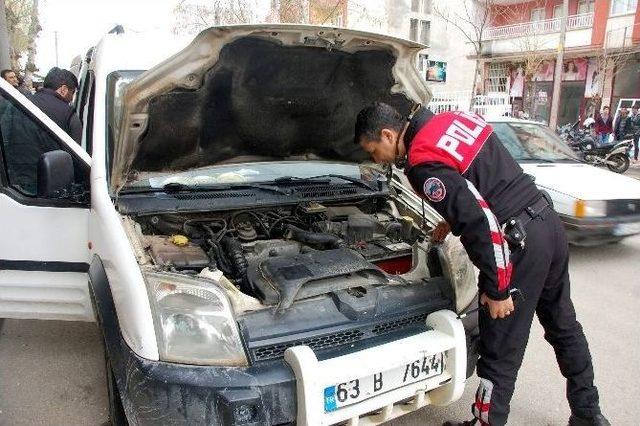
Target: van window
[24,140]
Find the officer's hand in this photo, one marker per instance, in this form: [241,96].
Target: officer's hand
[497,308]
[440,232]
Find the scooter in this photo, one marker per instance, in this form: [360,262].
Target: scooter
[614,156]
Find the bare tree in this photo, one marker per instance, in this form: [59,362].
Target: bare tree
[472,20]
[34,29]
[19,14]
[4,38]
[193,17]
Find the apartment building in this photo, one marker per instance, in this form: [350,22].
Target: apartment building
[601,56]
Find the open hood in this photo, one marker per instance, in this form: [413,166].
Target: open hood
[261,93]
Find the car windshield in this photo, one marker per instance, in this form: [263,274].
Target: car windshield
[532,142]
[259,172]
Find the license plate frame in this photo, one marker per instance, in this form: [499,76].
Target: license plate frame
[360,389]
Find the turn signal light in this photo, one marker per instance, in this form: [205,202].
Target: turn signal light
[580,208]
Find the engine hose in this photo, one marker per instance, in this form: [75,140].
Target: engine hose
[234,253]
[313,238]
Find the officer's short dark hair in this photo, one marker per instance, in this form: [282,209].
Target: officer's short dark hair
[375,117]
[4,73]
[57,77]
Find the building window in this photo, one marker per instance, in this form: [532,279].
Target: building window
[413,30]
[557,11]
[621,7]
[422,61]
[415,5]
[425,32]
[585,6]
[426,7]
[497,78]
[537,14]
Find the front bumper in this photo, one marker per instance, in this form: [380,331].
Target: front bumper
[593,231]
[157,393]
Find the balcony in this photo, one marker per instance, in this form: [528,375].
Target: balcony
[538,35]
[622,38]
[547,26]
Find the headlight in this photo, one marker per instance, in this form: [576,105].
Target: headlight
[590,208]
[457,267]
[194,323]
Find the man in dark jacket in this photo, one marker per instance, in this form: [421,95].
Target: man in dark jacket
[54,98]
[457,163]
[623,125]
[634,130]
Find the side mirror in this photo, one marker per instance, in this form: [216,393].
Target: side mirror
[55,174]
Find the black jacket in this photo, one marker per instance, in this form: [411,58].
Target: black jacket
[622,127]
[461,168]
[59,111]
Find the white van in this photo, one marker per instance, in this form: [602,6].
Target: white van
[242,263]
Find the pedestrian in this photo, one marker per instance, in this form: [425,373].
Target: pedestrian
[604,126]
[622,125]
[634,130]
[54,98]
[13,79]
[456,162]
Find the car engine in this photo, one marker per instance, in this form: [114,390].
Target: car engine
[284,254]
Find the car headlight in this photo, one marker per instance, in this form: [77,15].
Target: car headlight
[590,208]
[194,322]
[457,267]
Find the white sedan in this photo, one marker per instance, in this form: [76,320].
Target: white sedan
[596,205]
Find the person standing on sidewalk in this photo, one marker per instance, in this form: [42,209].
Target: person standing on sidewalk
[457,163]
[634,130]
[604,126]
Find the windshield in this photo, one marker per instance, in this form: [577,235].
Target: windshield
[256,173]
[532,142]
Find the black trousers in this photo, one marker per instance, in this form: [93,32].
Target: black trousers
[635,146]
[540,271]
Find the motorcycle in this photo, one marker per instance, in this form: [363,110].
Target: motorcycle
[614,155]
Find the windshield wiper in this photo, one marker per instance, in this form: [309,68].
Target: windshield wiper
[323,179]
[173,187]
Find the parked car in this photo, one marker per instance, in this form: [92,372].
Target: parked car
[244,265]
[597,206]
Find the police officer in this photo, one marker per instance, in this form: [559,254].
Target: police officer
[512,235]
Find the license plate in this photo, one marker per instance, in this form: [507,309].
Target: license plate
[353,391]
[627,229]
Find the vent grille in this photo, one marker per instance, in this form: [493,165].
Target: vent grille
[315,343]
[321,191]
[211,195]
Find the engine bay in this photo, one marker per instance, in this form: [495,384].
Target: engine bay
[287,253]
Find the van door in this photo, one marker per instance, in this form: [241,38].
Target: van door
[43,241]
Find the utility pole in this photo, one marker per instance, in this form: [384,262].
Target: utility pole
[557,76]
[55,34]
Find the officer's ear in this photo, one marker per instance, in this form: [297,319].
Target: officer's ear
[388,136]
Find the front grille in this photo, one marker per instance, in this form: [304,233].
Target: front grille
[342,338]
[398,324]
[623,207]
[315,343]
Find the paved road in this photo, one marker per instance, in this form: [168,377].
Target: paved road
[51,373]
